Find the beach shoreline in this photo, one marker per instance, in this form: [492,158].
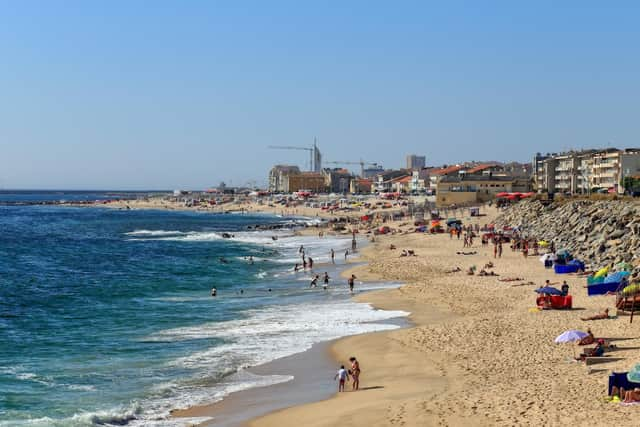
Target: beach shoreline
[474,353]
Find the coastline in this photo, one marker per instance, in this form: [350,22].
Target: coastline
[476,354]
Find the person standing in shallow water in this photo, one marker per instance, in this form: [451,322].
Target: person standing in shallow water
[351,282]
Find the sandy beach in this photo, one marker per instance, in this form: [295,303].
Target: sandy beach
[478,354]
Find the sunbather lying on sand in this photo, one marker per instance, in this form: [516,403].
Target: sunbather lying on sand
[467,253]
[483,272]
[392,247]
[510,279]
[453,270]
[627,396]
[522,284]
[488,265]
[603,315]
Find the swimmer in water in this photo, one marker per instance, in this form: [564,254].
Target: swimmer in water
[326,281]
[314,281]
[214,292]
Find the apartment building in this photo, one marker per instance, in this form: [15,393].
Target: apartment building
[582,172]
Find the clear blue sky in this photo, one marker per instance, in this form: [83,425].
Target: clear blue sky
[184,94]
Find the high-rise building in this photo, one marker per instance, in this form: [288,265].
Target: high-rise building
[415,162]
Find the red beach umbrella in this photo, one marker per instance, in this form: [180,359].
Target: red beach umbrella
[503,194]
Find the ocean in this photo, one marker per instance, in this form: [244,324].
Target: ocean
[107,318]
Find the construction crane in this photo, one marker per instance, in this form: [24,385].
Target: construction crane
[315,158]
[362,164]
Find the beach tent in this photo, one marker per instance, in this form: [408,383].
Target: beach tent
[616,277]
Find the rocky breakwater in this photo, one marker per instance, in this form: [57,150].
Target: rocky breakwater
[598,232]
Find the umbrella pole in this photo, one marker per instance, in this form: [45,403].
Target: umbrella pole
[633,302]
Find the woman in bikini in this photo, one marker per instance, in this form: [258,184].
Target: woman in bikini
[355,373]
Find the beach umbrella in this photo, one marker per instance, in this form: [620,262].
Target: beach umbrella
[601,272]
[631,290]
[570,336]
[548,290]
[624,266]
[503,194]
[634,374]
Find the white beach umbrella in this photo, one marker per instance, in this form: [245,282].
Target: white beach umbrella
[570,336]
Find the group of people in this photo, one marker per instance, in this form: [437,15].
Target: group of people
[344,374]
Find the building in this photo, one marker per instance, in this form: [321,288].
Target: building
[582,172]
[608,169]
[337,180]
[415,162]
[277,176]
[384,181]
[469,189]
[418,180]
[360,185]
[435,175]
[372,172]
[312,181]
[484,169]
[401,184]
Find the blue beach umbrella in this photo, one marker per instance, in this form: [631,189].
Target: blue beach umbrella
[548,290]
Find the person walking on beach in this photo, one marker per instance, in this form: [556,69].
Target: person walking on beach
[495,248]
[333,256]
[355,373]
[500,249]
[351,282]
[326,281]
[346,254]
[342,376]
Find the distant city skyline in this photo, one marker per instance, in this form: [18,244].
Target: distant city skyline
[125,95]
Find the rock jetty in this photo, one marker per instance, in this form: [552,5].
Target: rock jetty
[598,232]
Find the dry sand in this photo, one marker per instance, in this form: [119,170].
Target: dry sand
[477,355]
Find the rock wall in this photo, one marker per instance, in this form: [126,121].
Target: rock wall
[598,232]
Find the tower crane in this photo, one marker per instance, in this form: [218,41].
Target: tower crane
[315,158]
[362,164]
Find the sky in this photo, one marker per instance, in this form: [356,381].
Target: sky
[185,94]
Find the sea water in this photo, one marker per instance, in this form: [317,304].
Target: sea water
[106,316]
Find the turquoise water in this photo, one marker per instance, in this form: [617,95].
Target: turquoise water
[106,315]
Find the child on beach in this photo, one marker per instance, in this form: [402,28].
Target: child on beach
[343,376]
